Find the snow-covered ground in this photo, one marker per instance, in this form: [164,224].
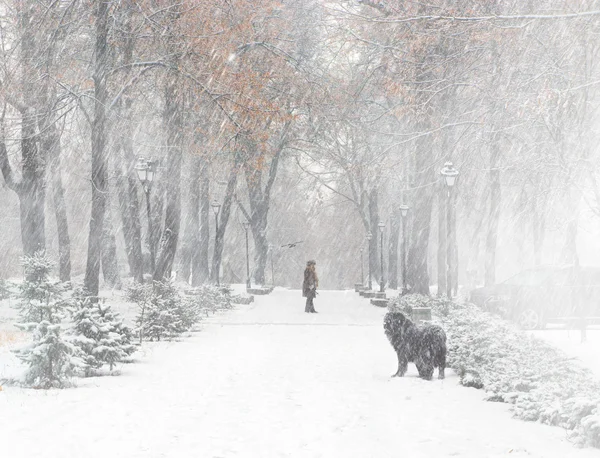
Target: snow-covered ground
[268,380]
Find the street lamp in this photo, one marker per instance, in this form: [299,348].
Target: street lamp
[404,212]
[216,206]
[146,169]
[381,226]
[246,225]
[369,237]
[362,271]
[271,247]
[450,175]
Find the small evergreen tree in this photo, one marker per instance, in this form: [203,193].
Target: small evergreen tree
[116,343]
[51,359]
[163,312]
[101,335]
[84,334]
[40,298]
[42,305]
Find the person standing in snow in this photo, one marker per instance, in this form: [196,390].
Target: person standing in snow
[310,285]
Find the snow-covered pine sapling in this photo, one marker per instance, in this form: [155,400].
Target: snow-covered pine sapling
[85,333]
[100,335]
[164,314]
[51,359]
[40,297]
[42,305]
[141,294]
[116,343]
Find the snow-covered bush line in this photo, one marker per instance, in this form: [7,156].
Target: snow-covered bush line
[540,381]
[164,312]
[210,298]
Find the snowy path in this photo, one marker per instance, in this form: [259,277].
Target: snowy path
[268,380]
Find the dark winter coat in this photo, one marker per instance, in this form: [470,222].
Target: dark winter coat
[311,282]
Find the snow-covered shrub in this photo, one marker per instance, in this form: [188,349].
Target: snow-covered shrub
[51,359]
[40,298]
[407,303]
[100,334]
[164,313]
[210,298]
[541,382]
[42,305]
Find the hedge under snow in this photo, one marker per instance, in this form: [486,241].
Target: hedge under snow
[540,381]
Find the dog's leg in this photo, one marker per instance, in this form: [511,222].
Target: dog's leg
[402,364]
[442,363]
[425,368]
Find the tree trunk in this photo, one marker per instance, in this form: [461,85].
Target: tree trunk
[127,181]
[99,162]
[33,190]
[224,216]
[494,215]
[417,272]
[373,243]
[127,193]
[258,219]
[60,208]
[191,229]
[173,124]
[110,265]
[31,187]
[200,268]
[260,201]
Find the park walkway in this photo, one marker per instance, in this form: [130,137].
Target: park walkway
[268,380]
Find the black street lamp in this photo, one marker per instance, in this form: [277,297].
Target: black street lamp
[381,226]
[216,206]
[271,248]
[450,175]
[146,169]
[362,270]
[246,225]
[369,237]
[404,212]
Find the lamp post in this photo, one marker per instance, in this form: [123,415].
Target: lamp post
[146,170]
[450,175]
[271,247]
[381,227]
[216,206]
[369,237]
[246,225]
[362,270]
[404,212]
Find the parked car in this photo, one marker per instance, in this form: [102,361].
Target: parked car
[535,297]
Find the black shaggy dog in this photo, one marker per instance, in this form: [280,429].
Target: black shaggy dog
[424,345]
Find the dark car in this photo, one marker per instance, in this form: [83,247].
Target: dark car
[535,297]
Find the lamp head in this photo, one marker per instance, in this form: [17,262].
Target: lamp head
[404,210]
[449,173]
